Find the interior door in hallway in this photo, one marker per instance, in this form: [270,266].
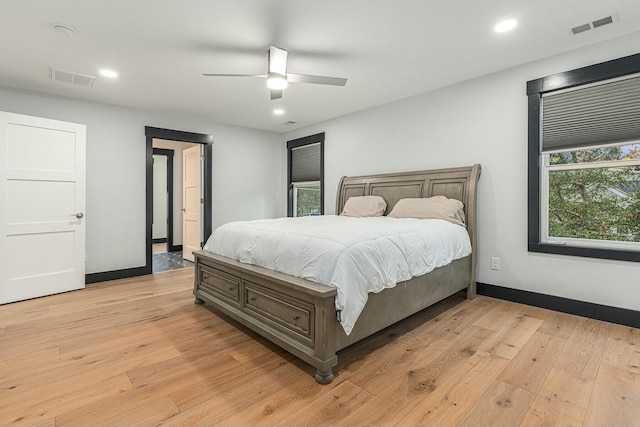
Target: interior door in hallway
[191,202]
[42,199]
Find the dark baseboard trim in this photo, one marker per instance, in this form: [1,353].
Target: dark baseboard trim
[175,248]
[116,274]
[160,240]
[621,316]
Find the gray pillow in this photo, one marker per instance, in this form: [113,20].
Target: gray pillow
[437,207]
[364,206]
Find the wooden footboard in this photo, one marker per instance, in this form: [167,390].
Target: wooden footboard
[296,314]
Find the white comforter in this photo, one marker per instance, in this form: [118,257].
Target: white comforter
[355,255]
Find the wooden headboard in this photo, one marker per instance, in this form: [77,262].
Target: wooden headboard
[455,183]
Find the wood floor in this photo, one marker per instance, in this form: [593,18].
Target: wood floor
[140,352]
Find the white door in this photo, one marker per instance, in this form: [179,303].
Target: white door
[191,201]
[42,205]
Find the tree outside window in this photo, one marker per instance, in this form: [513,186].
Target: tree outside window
[594,195]
[306,199]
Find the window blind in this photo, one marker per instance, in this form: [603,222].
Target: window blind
[305,163]
[603,114]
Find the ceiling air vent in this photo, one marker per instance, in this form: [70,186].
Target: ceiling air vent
[595,24]
[581,28]
[289,123]
[69,77]
[601,22]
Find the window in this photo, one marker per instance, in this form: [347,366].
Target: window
[584,161]
[306,198]
[591,197]
[306,175]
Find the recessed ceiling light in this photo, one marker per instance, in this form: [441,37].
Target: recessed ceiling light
[278,111]
[505,26]
[109,73]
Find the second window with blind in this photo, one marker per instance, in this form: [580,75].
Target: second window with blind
[584,143]
[305,172]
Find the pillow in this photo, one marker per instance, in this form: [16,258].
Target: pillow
[364,206]
[437,207]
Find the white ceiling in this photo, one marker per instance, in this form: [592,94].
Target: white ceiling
[388,49]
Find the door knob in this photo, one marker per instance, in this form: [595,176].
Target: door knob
[78,215]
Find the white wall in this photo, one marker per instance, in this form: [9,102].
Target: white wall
[480,121]
[244,186]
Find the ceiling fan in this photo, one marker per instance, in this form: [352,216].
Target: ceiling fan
[278,79]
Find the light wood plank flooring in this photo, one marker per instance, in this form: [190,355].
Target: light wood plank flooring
[140,352]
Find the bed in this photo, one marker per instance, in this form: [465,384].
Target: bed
[300,315]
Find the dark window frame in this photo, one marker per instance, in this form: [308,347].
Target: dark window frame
[301,142]
[535,89]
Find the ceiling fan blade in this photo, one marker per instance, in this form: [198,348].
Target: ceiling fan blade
[277,61]
[319,80]
[276,94]
[262,76]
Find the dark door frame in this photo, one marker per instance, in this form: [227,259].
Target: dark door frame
[180,136]
[168,153]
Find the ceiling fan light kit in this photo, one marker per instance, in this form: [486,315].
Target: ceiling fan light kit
[277,82]
[278,79]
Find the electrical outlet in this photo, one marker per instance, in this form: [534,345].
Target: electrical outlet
[495,263]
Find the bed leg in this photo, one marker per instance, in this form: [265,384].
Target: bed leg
[471,290]
[324,377]
[198,301]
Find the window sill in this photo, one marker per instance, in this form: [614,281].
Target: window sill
[619,255]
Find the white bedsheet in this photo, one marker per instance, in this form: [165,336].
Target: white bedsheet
[355,255]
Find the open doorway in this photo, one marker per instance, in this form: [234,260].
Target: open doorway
[177,216]
[167,176]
